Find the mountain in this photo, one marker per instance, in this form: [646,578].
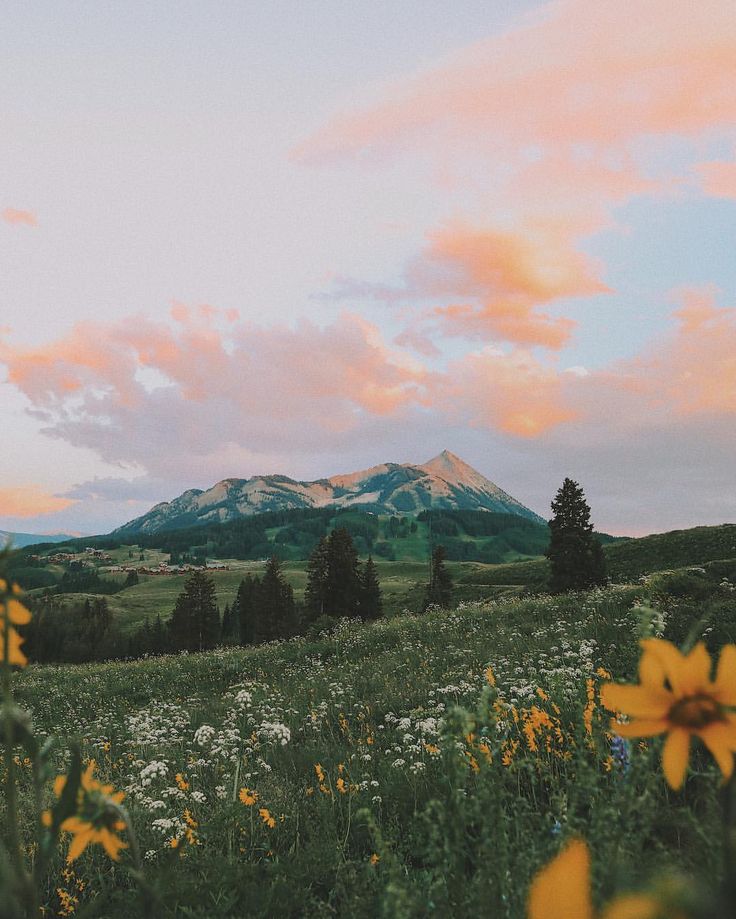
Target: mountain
[21,540]
[395,488]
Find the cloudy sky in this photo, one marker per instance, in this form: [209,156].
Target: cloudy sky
[247,237]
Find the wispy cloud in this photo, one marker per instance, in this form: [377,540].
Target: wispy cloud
[30,501]
[18,217]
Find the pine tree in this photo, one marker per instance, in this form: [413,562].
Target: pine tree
[342,586]
[227,622]
[315,595]
[159,643]
[275,598]
[245,611]
[575,553]
[195,621]
[371,604]
[439,589]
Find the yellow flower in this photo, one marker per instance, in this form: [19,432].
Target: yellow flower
[589,707]
[676,696]
[490,676]
[341,786]
[96,816]
[265,814]
[12,611]
[375,859]
[181,782]
[15,655]
[248,797]
[561,890]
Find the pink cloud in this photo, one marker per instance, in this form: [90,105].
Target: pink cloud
[693,370]
[30,501]
[550,126]
[226,393]
[718,179]
[235,385]
[512,393]
[574,73]
[19,218]
[502,279]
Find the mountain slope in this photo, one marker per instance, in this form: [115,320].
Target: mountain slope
[443,482]
[20,540]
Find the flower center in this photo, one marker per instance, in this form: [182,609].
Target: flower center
[696,712]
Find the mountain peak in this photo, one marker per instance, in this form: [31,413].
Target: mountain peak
[450,467]
[396,488]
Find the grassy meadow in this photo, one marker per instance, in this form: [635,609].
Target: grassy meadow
[420,766]
[402,585]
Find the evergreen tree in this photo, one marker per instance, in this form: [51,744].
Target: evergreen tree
[245,610]
[275,599]
[159,638]
[315,596]
[439,589]
[371,604]
[227,622]
[342,585]
[132,578]
[195,621]
[575,553]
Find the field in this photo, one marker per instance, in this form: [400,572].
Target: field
[403,582]
[378,772]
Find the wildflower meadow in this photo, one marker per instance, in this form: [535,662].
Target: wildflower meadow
[544,757]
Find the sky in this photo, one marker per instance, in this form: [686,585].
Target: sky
[242,238]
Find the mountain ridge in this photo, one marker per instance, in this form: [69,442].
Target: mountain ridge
[445,481]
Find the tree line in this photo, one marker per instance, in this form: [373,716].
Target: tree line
[264,609]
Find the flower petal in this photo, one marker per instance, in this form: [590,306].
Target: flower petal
[637,701]
[80,842]
[720,739]
[640,727]
[695,675]
[651,671]
[111,844]
[561,890]
[675,755]
[669,659]
[633,906]
[17,613]
[15,655]
[726,676]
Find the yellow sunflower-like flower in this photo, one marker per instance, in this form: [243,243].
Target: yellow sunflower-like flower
[97,819]
[561,890]
[12,612]
[247,797]
[676,696]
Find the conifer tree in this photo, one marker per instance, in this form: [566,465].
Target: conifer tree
[315,596]
[371,603]
[275,599]
[439,589]
[246,610]
[343,585]
[159,643]
[195,621]
[227,622]
[575,553]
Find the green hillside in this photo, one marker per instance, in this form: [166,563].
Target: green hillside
[402,577]
[629,559]
[466,535]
